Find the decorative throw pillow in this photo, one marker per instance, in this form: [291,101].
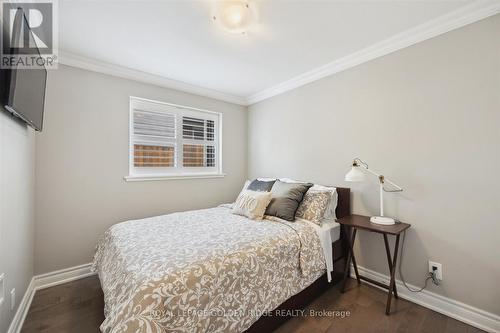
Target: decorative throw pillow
[252,204]
[330,215]
[286,198]
[314,206]
[260,185]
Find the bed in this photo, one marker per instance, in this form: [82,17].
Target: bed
[213,271]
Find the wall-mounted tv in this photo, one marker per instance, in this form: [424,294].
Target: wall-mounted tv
[24,94]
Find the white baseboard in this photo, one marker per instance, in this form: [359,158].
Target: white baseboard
[460,311]
[55,278]
[43,281]
[22,309]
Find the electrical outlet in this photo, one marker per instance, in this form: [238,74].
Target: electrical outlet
[13,299]
[2,289]
[435,266]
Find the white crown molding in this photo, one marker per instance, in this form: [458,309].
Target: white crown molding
[43,281]
[94,65]
[473,316]
[465,15]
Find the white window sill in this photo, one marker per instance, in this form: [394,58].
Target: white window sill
[143,178]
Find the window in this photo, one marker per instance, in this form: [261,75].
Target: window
[168,140]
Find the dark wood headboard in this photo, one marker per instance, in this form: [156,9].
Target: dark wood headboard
[344,202]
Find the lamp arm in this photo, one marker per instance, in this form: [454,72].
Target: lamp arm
[398,188]
[381,178]
[372,172]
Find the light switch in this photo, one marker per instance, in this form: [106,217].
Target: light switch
[2,289]
[13,299]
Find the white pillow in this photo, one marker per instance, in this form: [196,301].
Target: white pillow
[252,204]
[245,186]
[288,180]
[266,179]
[330,214]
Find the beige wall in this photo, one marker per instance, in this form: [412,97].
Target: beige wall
[428,117]
[17,206]
[82,157]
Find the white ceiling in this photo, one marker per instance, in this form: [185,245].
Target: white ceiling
[178,40]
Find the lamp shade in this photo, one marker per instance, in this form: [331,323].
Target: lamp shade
[355,175]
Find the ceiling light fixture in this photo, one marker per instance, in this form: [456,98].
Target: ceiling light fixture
[235,16]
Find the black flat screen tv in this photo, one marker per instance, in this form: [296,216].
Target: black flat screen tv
[24,94]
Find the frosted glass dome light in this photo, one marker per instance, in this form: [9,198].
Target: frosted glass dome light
[234,16]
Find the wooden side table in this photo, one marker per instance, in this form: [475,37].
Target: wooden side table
[356,222]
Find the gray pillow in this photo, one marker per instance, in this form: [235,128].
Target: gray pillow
[261,186]
[286,199]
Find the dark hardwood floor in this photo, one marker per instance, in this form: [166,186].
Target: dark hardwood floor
[75,307]
[78,307]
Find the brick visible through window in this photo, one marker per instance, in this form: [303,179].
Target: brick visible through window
[193,156]
[153,156]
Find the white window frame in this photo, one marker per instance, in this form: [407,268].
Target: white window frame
[176,172]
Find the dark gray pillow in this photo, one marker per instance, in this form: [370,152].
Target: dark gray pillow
[286,199]
[260,185]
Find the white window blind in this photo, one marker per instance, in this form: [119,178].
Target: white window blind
[172,140]
[198,142]
[154,139]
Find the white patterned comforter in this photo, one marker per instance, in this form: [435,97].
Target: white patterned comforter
[202,271]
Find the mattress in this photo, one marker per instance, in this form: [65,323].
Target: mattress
[203,271]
